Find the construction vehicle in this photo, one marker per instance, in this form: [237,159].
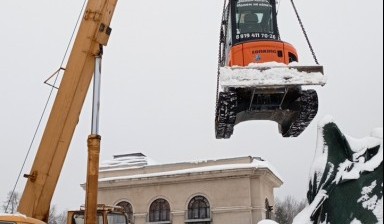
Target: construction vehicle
[83,62]
[105,214]
[259,77]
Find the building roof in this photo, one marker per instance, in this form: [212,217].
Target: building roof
[126,161]
[138,166]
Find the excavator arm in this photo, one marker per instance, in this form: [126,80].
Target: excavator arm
[93,33]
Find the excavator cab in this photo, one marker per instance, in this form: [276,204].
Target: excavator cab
[252,34]
[259,77]
[105,215]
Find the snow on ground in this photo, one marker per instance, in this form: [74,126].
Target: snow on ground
[268,74]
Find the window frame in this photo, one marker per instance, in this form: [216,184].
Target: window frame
[157,210]
[128,208]
[203,210]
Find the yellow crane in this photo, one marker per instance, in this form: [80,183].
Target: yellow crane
[83,62]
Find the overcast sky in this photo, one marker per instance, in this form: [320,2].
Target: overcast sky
[159,84]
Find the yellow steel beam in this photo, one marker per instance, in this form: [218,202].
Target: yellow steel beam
[93,32]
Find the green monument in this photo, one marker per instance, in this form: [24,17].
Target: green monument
[346,185]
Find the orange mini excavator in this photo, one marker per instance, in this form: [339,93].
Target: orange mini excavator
[259,77]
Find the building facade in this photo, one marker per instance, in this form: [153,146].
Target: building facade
[226,191]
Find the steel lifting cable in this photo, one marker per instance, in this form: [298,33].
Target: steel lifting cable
[45,106]
[219,57]
[305,33]
[278,8]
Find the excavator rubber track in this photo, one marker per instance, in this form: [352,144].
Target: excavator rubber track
[293,118]
[309,106]
[225,115]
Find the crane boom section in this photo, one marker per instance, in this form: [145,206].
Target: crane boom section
[92,34]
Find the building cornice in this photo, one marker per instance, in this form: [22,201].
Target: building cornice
[164,178]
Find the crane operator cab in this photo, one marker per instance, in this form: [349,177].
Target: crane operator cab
[250,52]
[105,215]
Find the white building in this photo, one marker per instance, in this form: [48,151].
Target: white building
[225,191]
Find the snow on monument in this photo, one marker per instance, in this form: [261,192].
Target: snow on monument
[346,184]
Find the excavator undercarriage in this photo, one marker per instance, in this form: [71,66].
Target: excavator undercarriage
[266,93]
[292,108]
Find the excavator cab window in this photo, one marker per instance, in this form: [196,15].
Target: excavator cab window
[249,22]
[292,57]
[254,19]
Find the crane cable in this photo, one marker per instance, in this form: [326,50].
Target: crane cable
[45,106]
[278,7]
[220,57]
[305,33]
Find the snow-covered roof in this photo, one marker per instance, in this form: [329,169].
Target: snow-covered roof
[269,74]
[193,168]
[124,161]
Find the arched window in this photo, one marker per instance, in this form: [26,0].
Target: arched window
[128,209]
[159,211]
[268,209]
[199,209]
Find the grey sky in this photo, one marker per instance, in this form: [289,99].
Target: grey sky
[159,83]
